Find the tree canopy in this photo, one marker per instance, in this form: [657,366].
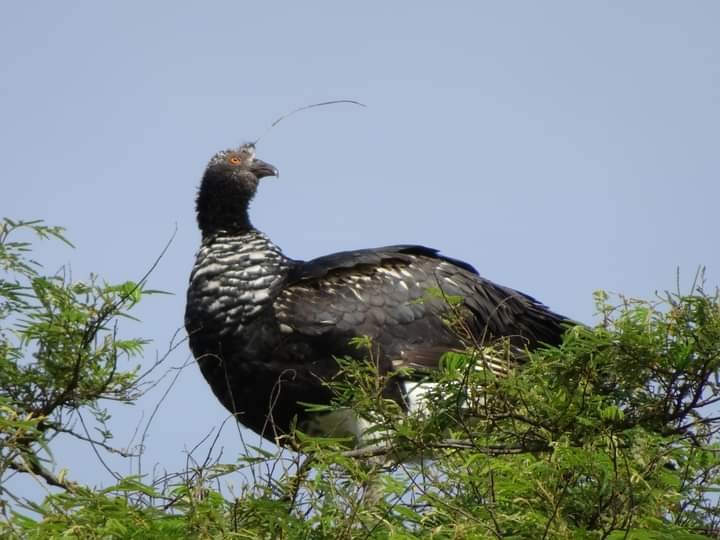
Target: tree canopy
[612,434]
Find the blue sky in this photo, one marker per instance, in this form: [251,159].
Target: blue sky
[560,147]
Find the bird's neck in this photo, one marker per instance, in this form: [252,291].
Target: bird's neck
[224,221]
[223,210]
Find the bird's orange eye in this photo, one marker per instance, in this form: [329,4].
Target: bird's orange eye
[234,160]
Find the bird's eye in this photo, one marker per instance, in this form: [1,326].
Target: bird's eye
[234,160]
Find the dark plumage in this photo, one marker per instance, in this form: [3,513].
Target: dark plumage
[265,329]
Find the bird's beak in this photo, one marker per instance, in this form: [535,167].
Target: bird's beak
[262,169]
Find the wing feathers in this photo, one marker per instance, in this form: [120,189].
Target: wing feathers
[385,294]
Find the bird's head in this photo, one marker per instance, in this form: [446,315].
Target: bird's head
[228,185]
[238,167]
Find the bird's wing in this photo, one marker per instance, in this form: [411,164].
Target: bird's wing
[404,298]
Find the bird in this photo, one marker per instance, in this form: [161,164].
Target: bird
[267,330]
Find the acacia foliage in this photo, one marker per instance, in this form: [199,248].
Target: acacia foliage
[613,434]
